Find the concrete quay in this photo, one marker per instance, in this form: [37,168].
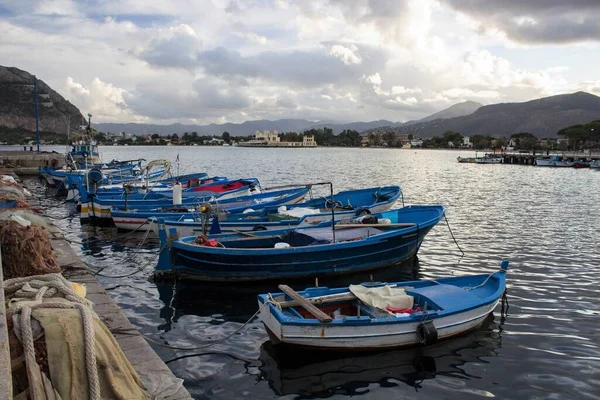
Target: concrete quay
[154,373]
[28,162]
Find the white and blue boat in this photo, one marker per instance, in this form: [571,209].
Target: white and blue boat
[378,316]
[137,213]
[347,204]
[218,190]
[295,253]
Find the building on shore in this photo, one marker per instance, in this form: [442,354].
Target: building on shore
[272,139]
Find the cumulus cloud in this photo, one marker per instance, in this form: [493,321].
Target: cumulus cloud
[178,48]
[535,21]
[103,100]
[346,54]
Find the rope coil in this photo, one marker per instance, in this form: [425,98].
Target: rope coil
[28,294]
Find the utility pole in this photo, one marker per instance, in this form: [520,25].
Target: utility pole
[35,100]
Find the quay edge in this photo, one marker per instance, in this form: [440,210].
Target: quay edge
[159,380]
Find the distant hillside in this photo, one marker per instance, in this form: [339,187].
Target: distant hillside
[457,110]
[243,129]
[17,108]
[542,117]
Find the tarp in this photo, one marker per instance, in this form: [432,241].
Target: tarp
[382,296]
[66,357]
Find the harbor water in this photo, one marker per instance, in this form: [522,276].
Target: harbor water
[545,220]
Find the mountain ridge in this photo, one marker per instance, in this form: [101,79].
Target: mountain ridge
[17,110]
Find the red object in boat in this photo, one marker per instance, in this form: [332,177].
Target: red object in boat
[581,164]
[221,187]
[403,310]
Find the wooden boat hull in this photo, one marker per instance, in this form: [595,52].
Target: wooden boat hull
[457,305]
[368,337]
[489,160]
[131,220]
[248,222]
[186,260]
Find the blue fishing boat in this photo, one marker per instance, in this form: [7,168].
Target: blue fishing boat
[137,216]
[100,206]
[346,204]
[377,316]
[294,253]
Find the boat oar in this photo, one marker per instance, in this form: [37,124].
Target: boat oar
[320,315]
[331,298]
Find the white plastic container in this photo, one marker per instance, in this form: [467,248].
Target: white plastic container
[177,193]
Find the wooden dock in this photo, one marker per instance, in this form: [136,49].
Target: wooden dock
[528,158]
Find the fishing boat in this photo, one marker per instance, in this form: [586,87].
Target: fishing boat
[581,164]
[136,217]
[489,159]
[346,204]
[294,253]
[377,315]
[553,161]
[99,207]
[469,160]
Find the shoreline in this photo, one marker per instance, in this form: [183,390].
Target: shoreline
[159,380]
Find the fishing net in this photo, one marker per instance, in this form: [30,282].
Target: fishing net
[25,214]
[11,193]
[26,250]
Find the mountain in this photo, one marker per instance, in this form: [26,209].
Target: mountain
[17,108]
[243,129]
[542,117]
[457,110]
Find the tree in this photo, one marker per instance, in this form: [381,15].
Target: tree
[528,143]
[175,138]
[155,136]
[226,137]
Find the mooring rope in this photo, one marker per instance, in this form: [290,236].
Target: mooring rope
[452,234]
[125,332]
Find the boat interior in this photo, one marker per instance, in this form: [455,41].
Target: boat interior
[418,299]
[293,238]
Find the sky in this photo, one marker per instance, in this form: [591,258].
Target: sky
[203,61]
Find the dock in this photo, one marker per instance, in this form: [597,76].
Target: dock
[154,373]
[28,162]
[528,157]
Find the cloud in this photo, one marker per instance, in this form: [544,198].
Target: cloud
[535,21]
[133,60]
[103,100]
[178,48]
[299,68]
[346,54]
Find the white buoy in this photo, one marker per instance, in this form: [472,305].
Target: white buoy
[177,194]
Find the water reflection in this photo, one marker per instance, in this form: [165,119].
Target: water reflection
[237,302]
[323,374]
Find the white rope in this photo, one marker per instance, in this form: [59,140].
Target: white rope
[52,285]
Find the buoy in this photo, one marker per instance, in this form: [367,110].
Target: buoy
[177,192]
